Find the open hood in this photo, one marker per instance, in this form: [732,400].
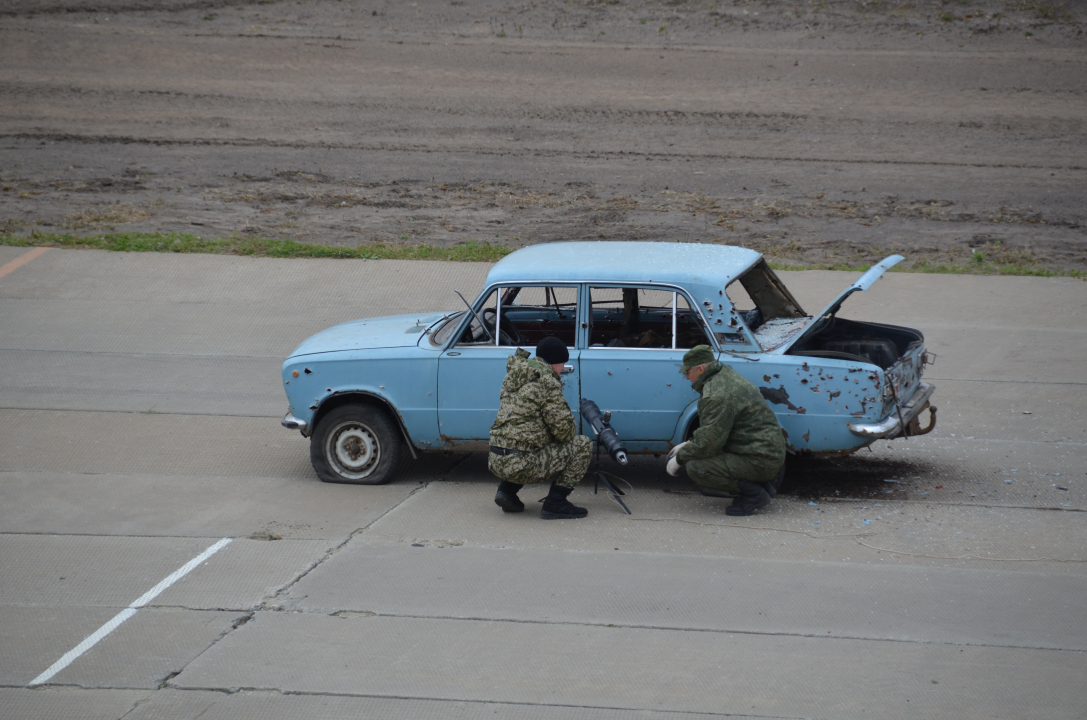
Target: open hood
[864,282]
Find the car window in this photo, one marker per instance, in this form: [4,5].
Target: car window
[643,318]
[759,296]
[441,335]
[525,316]
[689,329]
[533,312]
[474,332]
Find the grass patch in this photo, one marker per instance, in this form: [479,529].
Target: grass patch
[471,251]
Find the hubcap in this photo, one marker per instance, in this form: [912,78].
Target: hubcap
[354,449]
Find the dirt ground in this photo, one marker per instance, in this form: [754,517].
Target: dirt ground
[823,133]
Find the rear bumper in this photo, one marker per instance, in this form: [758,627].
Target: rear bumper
[904,423]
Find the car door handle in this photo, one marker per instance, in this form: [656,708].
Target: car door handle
[567,369]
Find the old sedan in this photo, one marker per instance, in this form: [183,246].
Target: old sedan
[371,391]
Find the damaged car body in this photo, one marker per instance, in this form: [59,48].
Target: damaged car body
[371,391]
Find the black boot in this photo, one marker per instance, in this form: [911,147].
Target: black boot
[506,497]
[771,486]
[711,492]
[752,497]
[557,507]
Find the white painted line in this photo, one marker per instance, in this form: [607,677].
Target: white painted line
[125,614]
[179,573]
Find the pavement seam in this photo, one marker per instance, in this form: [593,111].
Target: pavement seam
[137,704]
[148,355]
[134,412]
[378,696]
[667,628]
[335,549]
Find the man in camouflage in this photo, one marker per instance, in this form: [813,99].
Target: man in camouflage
[534,437]
[738,446]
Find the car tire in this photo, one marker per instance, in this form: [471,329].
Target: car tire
[357,445]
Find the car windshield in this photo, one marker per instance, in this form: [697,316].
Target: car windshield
[440,335]
[760,297]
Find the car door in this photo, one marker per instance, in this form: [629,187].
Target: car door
[471,369]
[635,337]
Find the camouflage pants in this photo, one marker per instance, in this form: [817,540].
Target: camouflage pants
[725,471]
[567,460]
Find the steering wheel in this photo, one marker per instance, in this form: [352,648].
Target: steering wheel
[507,334]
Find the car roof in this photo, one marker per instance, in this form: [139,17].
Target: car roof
[683,264]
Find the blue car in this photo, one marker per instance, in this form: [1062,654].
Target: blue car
[370,392]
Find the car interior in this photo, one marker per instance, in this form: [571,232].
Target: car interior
[631,317]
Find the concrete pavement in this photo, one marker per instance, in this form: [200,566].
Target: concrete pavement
[141,400]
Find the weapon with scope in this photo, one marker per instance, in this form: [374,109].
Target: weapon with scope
[601,425]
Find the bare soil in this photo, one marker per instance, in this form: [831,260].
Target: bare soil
[821,133]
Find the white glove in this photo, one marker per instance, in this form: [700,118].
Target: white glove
[675,449]
[673,467]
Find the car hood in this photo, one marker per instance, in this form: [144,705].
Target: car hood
[864,282]
[378,332]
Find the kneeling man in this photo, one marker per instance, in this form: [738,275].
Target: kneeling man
[738,446]
[534,437]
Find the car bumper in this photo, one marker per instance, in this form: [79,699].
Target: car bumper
[906,422]
[292,423]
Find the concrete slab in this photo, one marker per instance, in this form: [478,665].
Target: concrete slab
[154,327]
[170,704]
[57,703]
[638,668]
[385,285]
[969,607]
[114,571]
[182,445]
[676,519]
[217,306]
[1010,355]
[1046,413]
[33,638]
[185,384]
[147,649]
[89,571]
[200,506]
[244,574]
[90,442]
[9,254]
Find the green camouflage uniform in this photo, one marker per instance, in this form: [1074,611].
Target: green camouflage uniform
[739,437]
[534,418]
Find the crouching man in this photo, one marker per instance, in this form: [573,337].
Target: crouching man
[534,437]
[738,447]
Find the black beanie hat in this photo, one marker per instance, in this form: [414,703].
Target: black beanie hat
[552,350]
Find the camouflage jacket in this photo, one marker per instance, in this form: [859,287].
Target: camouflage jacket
[734,418]
[533,413]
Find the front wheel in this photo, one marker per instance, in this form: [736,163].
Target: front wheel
[356,444]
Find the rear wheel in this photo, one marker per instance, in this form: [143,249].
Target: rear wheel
[356,444]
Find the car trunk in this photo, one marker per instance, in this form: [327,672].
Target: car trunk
[898,351]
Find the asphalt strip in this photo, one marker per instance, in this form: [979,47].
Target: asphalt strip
[125,614]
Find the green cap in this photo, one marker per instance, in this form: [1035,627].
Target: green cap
[698,355]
